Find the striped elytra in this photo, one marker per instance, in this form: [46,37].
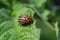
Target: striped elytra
[25,19]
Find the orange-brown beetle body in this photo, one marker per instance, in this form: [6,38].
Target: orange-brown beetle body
[25,19]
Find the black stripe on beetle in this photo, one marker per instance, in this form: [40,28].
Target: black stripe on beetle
[25,19]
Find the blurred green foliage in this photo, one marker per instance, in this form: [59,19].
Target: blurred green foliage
[45,14]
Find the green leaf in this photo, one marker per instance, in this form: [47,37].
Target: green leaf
[7,31]
[48,32]
[45,14]
[4,15]
[38,3]
[29,32]
[6,26]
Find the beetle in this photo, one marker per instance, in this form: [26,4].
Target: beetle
[25,19]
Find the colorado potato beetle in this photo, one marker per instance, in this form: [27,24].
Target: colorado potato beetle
[25,19]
